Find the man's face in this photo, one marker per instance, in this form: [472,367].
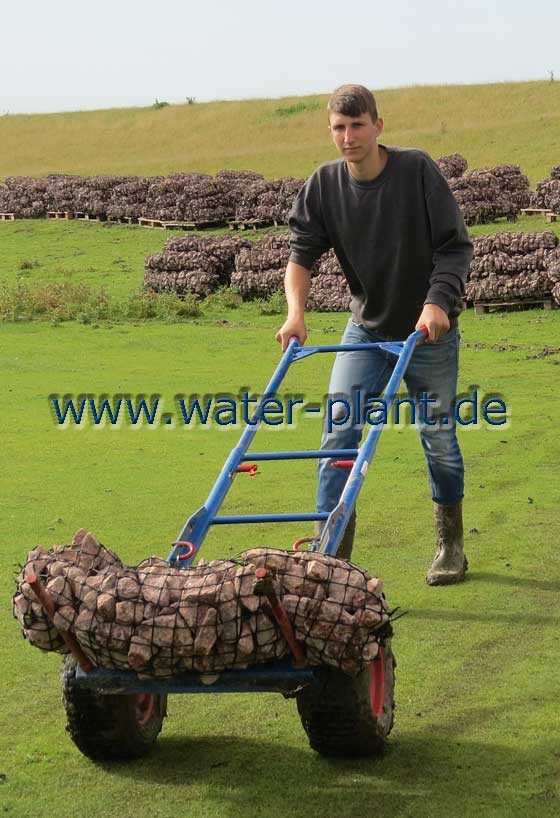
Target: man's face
[355,136]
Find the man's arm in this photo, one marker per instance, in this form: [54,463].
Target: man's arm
[296,285]
[452,254]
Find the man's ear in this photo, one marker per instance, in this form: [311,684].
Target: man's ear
[379,126]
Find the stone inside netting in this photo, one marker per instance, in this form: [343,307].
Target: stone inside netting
[160,621]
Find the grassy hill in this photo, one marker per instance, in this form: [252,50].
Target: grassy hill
[489,124]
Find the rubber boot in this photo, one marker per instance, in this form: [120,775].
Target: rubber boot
[449,563]
[346,544]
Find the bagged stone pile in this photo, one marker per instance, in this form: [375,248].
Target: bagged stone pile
[547,194]
[452,166]
[129,196]
[260,267]
[92,194]
[160,621]
[268,200]
[553,271]
[60,192]
[511,266]
[189,197]
[193,264]
[24,196]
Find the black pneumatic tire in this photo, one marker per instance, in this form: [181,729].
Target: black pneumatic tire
[110,727]
[350,716]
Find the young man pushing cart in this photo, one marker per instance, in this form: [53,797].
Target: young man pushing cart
[402,243]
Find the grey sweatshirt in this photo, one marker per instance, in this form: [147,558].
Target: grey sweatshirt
[400,239]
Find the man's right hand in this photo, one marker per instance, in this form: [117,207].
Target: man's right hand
[291,328]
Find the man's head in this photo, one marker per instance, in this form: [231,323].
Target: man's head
[352,100]
[355,125]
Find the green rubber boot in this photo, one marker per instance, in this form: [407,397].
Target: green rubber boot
[450,564]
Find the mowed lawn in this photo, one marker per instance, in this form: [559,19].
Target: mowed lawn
[476,731]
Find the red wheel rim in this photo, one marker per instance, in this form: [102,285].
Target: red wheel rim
[377,683]
[144,708]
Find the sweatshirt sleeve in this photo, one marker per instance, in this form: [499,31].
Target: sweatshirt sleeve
[309,238]
[452,247]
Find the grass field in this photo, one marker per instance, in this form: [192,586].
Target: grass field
[489,124]
[478,675]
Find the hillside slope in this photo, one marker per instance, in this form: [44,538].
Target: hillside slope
[489,124]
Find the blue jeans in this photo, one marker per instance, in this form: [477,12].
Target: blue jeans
[433,370]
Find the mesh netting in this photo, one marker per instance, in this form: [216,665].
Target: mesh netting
[159,620]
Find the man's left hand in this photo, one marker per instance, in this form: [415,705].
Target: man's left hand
[436,320]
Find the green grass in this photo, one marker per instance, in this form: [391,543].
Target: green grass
[478,675]
[489,124]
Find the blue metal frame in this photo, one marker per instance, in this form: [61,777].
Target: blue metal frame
[280,675]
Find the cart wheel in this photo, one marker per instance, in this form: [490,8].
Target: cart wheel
[350,715]
[110,727]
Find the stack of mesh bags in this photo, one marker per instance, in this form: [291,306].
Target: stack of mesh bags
[511,266]
[193,264]
[260,266]
[92,194]
[160,621]
[189,197]
[236,182]
[24,196]
[553,272]
[129,196]
[452,166]
[329,290]
[547,194]
[268,200]
[62,191]
[482,198]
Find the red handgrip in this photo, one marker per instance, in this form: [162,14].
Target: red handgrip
[424,329]
[250,468]
[189,546]
[343,464]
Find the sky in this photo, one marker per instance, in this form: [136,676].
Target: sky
[62,55]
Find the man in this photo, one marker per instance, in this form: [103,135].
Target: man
[402,244]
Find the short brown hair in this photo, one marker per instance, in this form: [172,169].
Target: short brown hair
[353,100]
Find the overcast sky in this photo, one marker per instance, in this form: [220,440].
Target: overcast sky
[75,55]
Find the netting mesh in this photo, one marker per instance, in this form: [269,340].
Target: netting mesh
[160,621]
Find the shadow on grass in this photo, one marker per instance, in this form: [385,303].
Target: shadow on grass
[482,616]
[419,775]
[518,582]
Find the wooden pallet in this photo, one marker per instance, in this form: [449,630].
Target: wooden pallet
[252,224]
[7,217]
[122,219]
[87,217]
[60,214]
[181,225]
[484,307]
[534,211]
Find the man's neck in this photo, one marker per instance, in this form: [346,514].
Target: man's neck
[370,168]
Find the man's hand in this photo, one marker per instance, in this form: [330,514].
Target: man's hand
[290,328]
[436,320]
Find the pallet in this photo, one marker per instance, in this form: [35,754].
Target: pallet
[7,217]
[252,224]
[534,211]
[87,217]
[123,220]
[484,307]
[60,214]
[180,225]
